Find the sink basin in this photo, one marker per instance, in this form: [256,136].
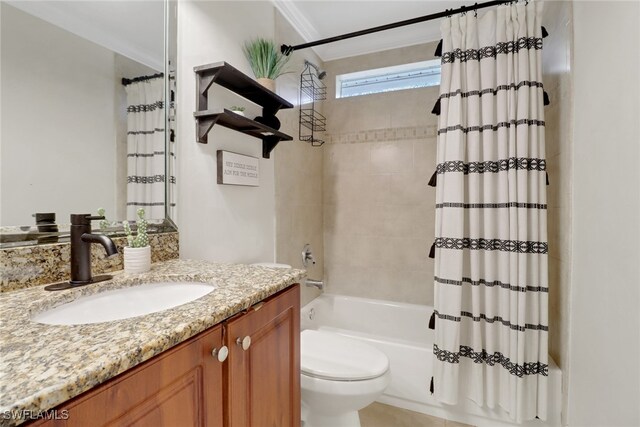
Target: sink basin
[124,303]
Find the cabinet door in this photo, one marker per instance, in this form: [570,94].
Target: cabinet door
[263,381]
[180,387]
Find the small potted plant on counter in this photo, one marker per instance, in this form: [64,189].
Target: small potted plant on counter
[266,61]
[107,226]
[238,110]
[137,255]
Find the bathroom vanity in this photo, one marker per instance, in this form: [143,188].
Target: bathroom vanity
[230,358]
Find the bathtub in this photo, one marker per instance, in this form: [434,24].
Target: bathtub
[401,331]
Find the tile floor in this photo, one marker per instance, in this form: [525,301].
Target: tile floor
[380,415]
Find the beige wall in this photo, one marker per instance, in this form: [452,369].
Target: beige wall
[81,110]
[298,173]
[57,121]
[604,373]
[220,222]
[243,224]
[378,209]
[558,82]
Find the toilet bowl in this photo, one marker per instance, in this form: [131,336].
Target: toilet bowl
[339,376]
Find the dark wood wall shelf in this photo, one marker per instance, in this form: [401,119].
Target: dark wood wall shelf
[231,78]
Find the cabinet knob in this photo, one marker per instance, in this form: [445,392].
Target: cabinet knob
[221,353]
[245,342]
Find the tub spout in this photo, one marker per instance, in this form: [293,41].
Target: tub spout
[315,283]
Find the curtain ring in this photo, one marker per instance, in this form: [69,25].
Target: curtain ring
[475,10]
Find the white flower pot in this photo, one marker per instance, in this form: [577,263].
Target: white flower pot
[137,260]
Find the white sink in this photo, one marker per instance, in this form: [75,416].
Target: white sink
[124,303]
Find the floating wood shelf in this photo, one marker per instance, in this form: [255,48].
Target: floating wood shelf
[227,118]
[231,78]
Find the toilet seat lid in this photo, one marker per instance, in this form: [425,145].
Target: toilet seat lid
[331,356]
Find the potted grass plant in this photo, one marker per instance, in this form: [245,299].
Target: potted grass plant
[266,61]
[238,110]
[137,255]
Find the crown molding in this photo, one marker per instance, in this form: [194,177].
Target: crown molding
[352,47]
[298,21]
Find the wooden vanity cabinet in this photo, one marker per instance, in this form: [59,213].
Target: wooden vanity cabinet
[180,387]
[263,377]
[257,385]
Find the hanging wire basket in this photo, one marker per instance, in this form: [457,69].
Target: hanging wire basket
[311,121]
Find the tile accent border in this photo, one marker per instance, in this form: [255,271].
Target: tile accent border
[24,267]
[388,134]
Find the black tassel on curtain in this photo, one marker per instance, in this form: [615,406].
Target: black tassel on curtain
[438,51]
[432,251]
[436,108]
[434,179]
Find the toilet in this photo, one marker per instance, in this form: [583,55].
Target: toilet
[339,376]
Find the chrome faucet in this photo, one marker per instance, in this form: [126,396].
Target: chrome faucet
[307,256]
[315,283]
[81,239]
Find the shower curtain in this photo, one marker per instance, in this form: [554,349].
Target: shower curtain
[146,148]
[491,234]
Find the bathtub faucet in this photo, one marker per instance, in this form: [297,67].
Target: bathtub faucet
[307,255]
[315,283]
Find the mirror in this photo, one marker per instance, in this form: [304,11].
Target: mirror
[83,114]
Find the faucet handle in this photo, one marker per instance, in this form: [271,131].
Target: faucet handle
[307,255]
[84,219]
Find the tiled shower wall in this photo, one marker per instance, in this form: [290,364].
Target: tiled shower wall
[298,173]
[378,209]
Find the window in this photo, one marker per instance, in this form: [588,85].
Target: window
[399,77]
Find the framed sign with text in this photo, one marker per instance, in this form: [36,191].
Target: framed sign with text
[238,169]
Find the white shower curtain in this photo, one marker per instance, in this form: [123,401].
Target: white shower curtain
[146,148]
[491,232]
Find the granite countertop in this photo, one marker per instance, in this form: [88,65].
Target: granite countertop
[42,366]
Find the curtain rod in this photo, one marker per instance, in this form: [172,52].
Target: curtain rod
[287,49]
[126,82]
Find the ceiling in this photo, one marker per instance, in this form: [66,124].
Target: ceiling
[318,19]
[134,29]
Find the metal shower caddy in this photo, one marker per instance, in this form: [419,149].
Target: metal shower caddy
[312,90]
